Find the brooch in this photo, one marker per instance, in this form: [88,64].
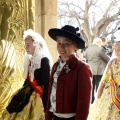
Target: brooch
[67,68]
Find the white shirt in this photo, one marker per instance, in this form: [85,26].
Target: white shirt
[54,86]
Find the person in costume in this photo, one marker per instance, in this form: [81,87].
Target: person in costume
[69,91]
[29,103]
[107,103]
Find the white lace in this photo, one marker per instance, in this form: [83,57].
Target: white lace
[41,51]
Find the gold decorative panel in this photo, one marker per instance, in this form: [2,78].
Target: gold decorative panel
[15,17]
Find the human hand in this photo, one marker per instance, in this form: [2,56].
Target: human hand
[98,96]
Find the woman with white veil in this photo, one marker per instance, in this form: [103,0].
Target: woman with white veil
[29,103]
[107,103]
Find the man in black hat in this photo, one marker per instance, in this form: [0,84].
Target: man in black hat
[70,81]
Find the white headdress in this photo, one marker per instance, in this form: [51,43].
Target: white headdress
[41,51]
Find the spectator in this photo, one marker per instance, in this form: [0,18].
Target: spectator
[97,59]
[104,45]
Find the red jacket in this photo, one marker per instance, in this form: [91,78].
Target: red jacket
[73,92]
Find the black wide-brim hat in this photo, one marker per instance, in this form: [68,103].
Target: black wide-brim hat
[69,32]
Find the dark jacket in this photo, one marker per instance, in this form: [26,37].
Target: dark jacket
[42,77]
[21,98]
[73,89]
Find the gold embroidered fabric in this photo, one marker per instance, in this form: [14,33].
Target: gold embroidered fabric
[103,108]
[32,111]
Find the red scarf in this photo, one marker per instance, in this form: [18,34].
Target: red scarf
[34,84]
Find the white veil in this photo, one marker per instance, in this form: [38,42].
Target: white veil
[41,51]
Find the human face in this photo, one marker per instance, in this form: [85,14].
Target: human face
[30,48]
[117,50]
[65,47]
[104,43]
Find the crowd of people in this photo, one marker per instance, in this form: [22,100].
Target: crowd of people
[83,84]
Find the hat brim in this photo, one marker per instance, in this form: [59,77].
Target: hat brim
[53,33]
